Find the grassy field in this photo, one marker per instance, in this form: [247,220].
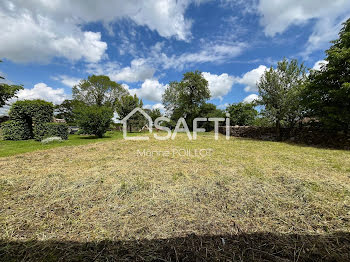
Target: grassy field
[10,148]
[247,201]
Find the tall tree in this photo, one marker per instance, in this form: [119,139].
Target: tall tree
[153,113]
[99,91]
[7,91]
[125,105]
[279,90]
[327,93]
[242,114]
[183,99]
[66,110]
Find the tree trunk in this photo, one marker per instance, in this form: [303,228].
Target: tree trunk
[278,130]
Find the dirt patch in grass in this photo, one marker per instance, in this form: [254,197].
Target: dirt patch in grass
[248,200]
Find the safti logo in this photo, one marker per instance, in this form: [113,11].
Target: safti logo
[181,127]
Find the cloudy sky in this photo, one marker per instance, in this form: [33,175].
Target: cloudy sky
[48,45]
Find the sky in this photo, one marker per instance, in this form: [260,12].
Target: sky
[49,45]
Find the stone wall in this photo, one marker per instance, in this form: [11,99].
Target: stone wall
[304,135]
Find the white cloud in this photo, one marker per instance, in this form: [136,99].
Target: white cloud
[215,53]
[319,64]
[42,91]
[223,106]
[251,98]
[277,16]
[150,90]
[156,106]
[251,78]
[219,85]
[137,71]
[35,30]
[27,38]
[4,111]
[39,91]
[67,80]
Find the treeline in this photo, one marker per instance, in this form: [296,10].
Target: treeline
[289,95]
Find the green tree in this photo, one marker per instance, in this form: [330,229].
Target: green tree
[280,90]
[183,99]
[209,110]
[7,91]
[327,93]
[66,110]
[99,91]
[242,114]
[153,113]
[125,105]
[94,120]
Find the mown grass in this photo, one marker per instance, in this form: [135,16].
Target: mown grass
[248,201]
[10,148]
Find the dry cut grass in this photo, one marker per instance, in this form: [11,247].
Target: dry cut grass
[249,200]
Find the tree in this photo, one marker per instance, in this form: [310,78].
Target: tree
[7,91]
[66,110]
[242,114]
[94,120]
[99,91]
[327,93]
[183,99]
[280,90]
[125,105]
[153,113]
[208,110]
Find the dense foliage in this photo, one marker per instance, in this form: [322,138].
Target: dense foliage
[66,110]
[24,116]
[184,99]
[94,120]
[32,119]
[242,114]
[327,93]
[99,91]
[45,130]
[125,105]
[208,110]
[279,91]
[16,130]
[34,111]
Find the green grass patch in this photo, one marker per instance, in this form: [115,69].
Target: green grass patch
[10,148]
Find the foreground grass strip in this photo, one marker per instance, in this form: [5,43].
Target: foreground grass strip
[250,200]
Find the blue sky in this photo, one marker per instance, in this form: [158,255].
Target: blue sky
[49,45]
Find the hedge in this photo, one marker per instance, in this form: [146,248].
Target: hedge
[45,130]
[16,130]
[39,111]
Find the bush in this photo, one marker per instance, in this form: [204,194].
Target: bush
[45,130]
[38,111]
[50,140]
[24,115]
[94,120]
[15,130]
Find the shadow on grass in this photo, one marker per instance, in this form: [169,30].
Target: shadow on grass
[243,247]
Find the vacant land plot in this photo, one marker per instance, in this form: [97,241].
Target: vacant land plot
[249,200]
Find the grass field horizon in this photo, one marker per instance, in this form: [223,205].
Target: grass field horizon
[248,200]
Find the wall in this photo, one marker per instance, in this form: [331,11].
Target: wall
[305,135]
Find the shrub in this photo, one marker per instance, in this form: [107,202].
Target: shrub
[45,130]
[24,115]
[39,111]
[50,140]
[94,120]
[15,130]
